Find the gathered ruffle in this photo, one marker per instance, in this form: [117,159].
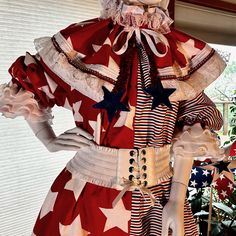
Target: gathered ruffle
[57,62]
[158,20]
[198,81]
[15,102]
[91,85]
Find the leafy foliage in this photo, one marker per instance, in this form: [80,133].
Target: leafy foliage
[223,88]
[223,213]
[232,131]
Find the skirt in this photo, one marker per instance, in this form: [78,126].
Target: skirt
[76,207]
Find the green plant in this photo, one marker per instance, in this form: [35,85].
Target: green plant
[223,212]
[232,131]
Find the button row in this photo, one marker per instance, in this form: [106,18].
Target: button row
[136,179]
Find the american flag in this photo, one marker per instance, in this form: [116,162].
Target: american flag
[200,178]
[218,175]
[224,187]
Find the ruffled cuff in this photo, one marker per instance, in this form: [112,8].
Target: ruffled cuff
[15,102]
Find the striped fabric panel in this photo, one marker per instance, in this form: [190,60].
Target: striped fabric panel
[200,109]
[147,220]
[152,127]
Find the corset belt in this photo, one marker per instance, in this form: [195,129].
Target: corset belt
[119,168]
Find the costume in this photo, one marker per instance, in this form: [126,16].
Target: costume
[103,70]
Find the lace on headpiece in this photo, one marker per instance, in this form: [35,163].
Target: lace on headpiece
[131,15]
[109,6]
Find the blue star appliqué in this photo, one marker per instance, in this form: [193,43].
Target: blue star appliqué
[111,103]
[222,166]
[160,95]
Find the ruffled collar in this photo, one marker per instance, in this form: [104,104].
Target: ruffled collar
[135,16]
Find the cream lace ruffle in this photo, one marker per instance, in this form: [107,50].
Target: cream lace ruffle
[91,86]
[87,84]
[134,16]
[15,102]
[206,74]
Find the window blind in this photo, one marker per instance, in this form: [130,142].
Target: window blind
[27,169]
[210,25]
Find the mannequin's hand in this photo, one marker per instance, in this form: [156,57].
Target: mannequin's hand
[173,218]
[71,140]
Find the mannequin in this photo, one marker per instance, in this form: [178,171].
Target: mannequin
[130,177]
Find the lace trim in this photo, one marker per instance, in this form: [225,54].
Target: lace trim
[198,81]
[134,16]
[91,86]
[57,62]
[205,75]
[15,102]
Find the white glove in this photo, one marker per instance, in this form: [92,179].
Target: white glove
[71,140]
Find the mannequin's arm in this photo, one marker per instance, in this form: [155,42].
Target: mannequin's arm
[71,140]
[173,212]
[193,142]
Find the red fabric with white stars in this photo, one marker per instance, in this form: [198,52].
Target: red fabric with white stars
[181,51]
[95,201]
[224,187]
[88,207]
[233,149]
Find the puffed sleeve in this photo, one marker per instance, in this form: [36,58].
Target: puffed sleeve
[200,109]
[30,93]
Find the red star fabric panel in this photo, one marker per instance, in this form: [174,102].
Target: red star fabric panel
[224,187]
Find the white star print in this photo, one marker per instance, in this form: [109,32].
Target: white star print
[214,184]
[82,24]
[193,183]
[53,85]
[222,177]
[117,217]
[67,105]
[194,171]
[205,172]
[96,48]
[113,65]
[230,186]
[107,41]
[33,234]
[188,48]
[76,186]
[75,229]
[96,126]
[78,54]
[126,118]
[48,204]
[224,193]
[234,172]
[204,184]
[77,115]
[46,90]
